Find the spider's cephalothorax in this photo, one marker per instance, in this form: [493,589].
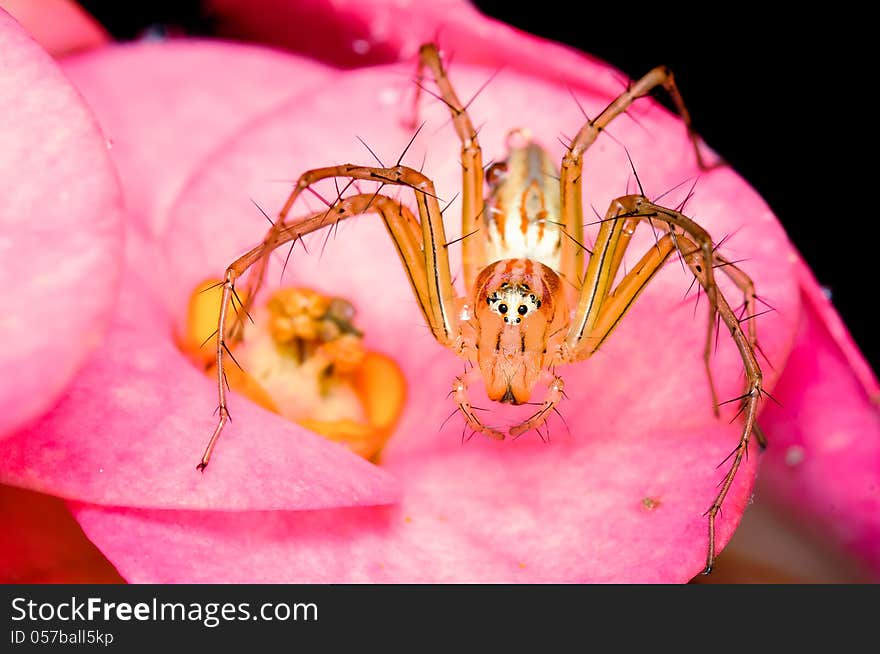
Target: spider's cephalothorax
[520,316]
[534,300]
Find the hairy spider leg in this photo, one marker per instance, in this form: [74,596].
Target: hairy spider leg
[473,243]
[695,247]
[571,182]
[423,253]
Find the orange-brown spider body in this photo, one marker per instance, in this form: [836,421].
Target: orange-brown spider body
[519,306]
[520,314]
[534,299]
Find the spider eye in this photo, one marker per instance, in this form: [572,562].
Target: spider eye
[522,310]
[502,308]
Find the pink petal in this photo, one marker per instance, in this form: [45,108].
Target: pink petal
[514,511]
[131,430]
[361,261]
[352,33]
[567,512]
[126,433]
[823,466]
[59,26]
[824,310]
[60,234]
[161,123]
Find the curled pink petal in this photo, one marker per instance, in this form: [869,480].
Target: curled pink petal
[824,310]
[619,497]
[130,431]
[618,494]
[60,26]
[350,33]
[468,515]
[823,466]
[60,229]
[161,123]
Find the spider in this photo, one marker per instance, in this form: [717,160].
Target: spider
[533,301]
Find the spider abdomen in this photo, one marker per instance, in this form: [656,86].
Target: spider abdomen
[523,207]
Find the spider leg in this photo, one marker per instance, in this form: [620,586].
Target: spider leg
[696,249]
[751,396]
[440,292]
[555,393]
[611,243]
[462,401]
[422,247]
[570,179]
[608,252]
[473,246]
[656,77]
[747,287]
[613,306]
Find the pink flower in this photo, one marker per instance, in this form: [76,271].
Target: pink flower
[61,246]
[199,128]
[60,230]
[60,26]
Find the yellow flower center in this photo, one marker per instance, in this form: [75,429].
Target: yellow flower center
[304,359]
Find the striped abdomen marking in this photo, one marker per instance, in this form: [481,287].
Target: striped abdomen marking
[522,212]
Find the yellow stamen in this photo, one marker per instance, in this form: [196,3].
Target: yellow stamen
[345,354]
[297,313]
[304,359]
[243,383]
[201,323]
[382,388]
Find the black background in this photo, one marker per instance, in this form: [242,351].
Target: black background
[783,95]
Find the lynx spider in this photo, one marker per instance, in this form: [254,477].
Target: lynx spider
[516,325]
